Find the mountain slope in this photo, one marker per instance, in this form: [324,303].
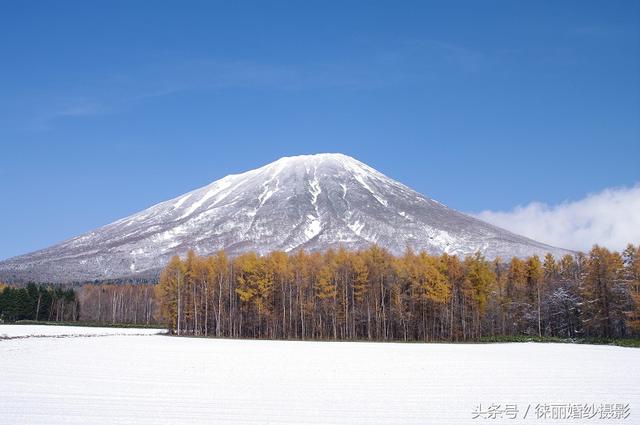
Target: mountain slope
[311,202]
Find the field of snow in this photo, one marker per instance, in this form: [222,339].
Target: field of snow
[158,379]
[22,331]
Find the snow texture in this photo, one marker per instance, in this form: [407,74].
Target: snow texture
[160,380]
[44,331]
[311,202]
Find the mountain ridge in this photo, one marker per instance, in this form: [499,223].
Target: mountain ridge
[311,202]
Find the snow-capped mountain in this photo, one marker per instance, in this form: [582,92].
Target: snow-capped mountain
[311,202]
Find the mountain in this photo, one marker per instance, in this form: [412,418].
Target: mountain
[311,202]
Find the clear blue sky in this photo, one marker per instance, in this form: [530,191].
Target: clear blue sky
[109,107]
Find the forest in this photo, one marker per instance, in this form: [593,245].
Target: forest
[372,295]
[38,302]
[133,304]
[365,295]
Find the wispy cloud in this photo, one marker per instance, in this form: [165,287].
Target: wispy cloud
[116,93]
[457,56]
[610,218]
[594,31]
[75,107]
[402,62]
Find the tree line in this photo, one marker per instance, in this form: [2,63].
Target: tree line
[38,302]
[373,295]
[118,303]
[365,295]
[95,303]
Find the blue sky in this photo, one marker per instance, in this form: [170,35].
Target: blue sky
[110,107]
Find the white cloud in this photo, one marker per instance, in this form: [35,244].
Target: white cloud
[610,218]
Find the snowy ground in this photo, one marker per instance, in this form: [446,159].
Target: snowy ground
[157,379]
[22,331]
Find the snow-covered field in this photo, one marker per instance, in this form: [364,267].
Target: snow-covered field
[157,379]
[22,331]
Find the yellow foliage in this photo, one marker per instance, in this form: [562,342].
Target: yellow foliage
[375,295]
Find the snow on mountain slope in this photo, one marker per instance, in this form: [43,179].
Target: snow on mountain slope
[311,202]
